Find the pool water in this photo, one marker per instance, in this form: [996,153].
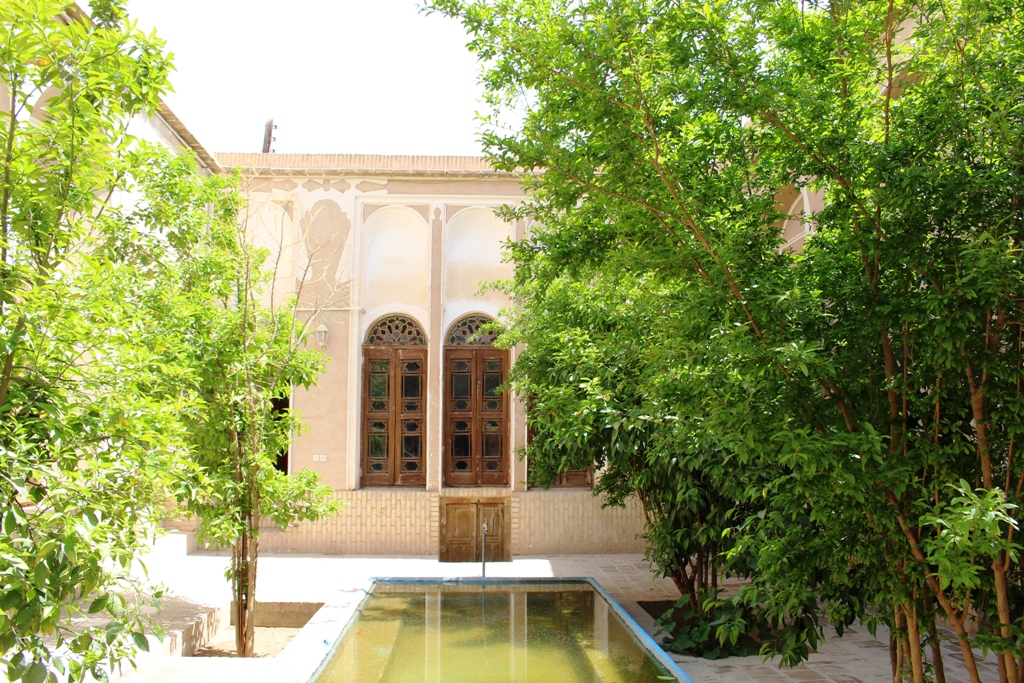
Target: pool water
[457,633]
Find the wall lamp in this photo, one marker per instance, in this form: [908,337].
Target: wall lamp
[321,336]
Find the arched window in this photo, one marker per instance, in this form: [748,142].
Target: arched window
[394,403]
[476,443]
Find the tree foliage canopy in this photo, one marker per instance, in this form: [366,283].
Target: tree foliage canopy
[128,315]
[858,400]
[86,450]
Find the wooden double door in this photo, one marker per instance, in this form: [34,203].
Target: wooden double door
[476,439]
[394,416]
[461,530]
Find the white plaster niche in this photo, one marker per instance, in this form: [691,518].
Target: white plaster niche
[396,258]
[473,244]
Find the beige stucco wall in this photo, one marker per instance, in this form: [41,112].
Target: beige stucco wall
[553,522]
[473,243]
[359,248]
[377,240]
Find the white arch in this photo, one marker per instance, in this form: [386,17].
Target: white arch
[42,103]
[473,241]
[395,264]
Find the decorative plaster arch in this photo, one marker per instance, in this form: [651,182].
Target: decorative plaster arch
[42,103]
[797,213]
[325,229]
[383,207]
[395,263]
[473,241]
[489,210]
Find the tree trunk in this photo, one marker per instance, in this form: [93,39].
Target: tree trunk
[243,559]
[1003,604]
[914,643]
[933,640]
[685,584]
[893,653]
[948,608]
[897,669]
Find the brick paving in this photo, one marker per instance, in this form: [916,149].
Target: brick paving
[198,579]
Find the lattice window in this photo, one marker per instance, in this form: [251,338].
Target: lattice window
[476,410]
[395,330]
[466,332]
[394,404]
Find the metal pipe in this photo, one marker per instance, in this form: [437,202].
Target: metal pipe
[483,568]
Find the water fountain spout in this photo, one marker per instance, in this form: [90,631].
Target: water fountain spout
[483,554]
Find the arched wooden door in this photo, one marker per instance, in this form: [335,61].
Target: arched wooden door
[394,423]
[476,434]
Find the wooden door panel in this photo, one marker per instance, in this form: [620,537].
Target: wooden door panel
[458,529]
[494,451]
[411,425]
[461,530]
[377,427]
[394,427]
[476,438]
[497,533]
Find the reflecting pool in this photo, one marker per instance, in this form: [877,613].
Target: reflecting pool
[469,633]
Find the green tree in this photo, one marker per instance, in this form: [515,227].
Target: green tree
[121,342]
[874,378]
[245,346]
[85,453]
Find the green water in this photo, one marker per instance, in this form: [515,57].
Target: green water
[471,633]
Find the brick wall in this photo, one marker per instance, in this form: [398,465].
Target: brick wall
[374,522]
[571,521]
[405,522]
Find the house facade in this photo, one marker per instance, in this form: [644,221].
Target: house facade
[390,256]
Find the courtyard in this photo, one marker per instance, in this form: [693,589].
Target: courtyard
[361,294]
[198,592]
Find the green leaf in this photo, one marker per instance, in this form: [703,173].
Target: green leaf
[115,604]
[35,674]
[99,604]
[112,630]
[141,641]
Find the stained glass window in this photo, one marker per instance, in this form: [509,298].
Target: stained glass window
[395,330]
[466,332]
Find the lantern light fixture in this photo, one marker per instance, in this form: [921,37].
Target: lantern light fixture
[321,336]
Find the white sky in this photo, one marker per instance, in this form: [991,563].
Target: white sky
[369,76]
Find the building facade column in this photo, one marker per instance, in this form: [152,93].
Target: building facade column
[435,358]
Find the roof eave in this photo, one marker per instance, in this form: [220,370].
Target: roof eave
[190,141]
[377,172]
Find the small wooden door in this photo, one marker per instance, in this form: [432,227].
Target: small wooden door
[497,546]
[461,530]
[458,532]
